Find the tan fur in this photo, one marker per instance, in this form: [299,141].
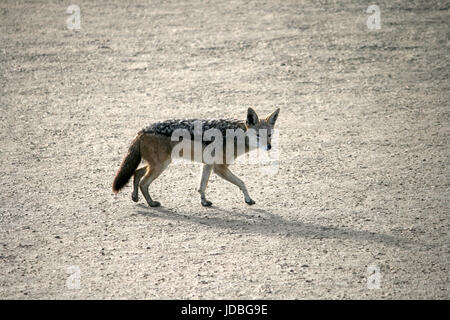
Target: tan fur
[156,150]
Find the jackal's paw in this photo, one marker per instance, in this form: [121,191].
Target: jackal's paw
[249,201]
[155,204]
[206,203]
[134,197]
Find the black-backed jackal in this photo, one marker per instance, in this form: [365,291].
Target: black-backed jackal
[159,143]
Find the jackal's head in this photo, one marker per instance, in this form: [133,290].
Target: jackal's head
[260,131]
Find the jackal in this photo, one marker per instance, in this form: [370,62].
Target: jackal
[157,146]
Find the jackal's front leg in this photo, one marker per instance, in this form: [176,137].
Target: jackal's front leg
[203,183]
[225,173]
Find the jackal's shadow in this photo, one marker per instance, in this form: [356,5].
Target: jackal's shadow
[267,223]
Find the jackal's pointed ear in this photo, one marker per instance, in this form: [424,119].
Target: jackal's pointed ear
[252,117]
[273,117]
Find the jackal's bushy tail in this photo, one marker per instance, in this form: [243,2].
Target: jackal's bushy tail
[128,166]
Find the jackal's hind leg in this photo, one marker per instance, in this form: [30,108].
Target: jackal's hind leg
[153,172]
[138,174]
[204,183]
[222,171]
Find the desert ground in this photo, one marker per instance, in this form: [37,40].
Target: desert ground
[358,207]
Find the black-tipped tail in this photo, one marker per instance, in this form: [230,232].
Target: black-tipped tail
[128,166]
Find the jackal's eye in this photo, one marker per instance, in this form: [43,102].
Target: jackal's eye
[268,134]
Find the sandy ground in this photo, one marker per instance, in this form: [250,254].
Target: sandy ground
[363,180]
